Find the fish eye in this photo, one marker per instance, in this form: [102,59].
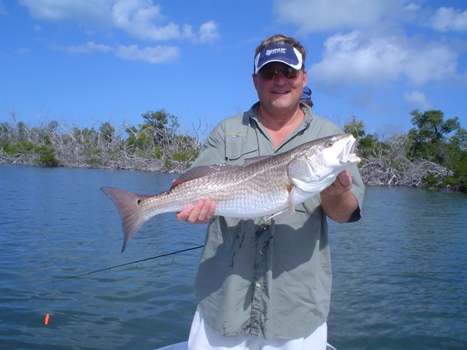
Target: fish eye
[328,144]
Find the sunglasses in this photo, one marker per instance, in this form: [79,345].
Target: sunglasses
[271,73]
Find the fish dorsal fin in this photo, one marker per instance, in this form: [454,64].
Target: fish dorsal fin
[254,160]
[201,171]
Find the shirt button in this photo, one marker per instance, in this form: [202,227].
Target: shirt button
[257,285]
[261,252]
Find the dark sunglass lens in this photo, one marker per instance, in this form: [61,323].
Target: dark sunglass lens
[290,73]
[269,74]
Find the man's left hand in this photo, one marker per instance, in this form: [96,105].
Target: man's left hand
[341,184]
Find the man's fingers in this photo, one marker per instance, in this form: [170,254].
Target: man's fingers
[199,213]
[345,179]
[184,213]
[341,184]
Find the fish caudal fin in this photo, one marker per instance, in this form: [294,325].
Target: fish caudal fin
[128,205]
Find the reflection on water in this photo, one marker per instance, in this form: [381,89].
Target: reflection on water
[400,273]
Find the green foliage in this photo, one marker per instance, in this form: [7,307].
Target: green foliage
[158,152]
[154,132]
[160,125]
[22,130]
[21,147]
[441,141]
[46,156]
[132,139]
[431,180]
[157,137]
[354,127]
[366,144]
[107,131]
[429,138]
[188,156]
[457,163]
[93,162]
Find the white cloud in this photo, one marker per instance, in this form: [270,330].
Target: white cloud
[356,57]
[417,100]
[208,32]
[449,19]
[3,10]
[86,11]
[98,47]
[157,54]
[88,47]
[431,62]
[349,58]
[325,15]
[139,18]
[187,32]
[412,7]
[22,51]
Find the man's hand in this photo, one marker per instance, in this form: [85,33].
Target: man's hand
[199,213]
[337,201]
[341,184]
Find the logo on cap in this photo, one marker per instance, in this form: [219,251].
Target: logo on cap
[276,51]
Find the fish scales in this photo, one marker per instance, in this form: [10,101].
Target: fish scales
[234,194]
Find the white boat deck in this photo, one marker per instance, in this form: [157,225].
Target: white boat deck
[184,346]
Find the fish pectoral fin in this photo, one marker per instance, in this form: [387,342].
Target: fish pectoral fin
[307,186]
[291,205]
[279,216]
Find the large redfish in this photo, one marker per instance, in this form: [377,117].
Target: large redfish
[262,187]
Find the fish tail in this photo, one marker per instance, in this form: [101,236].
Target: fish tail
[128,205]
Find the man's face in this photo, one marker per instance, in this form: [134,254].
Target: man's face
[279,86]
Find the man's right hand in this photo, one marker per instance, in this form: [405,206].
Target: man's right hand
[199,213]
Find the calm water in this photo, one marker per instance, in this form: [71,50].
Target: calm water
[400,274]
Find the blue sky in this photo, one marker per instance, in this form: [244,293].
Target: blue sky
[83,62]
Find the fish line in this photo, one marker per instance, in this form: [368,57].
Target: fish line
[129,263]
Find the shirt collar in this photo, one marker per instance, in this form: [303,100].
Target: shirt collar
[253,112]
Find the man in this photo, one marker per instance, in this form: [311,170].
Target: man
[263,284]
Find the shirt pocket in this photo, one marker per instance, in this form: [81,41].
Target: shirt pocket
[238,149]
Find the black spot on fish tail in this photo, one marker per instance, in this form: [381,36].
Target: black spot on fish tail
[131,214]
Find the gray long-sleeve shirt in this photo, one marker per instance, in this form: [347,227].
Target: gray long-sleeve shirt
[269,279]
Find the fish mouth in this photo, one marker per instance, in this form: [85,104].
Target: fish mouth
[347,154]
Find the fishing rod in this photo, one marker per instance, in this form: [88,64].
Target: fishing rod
[129,263]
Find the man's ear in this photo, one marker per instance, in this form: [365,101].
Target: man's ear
[255,77]
[305,78]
